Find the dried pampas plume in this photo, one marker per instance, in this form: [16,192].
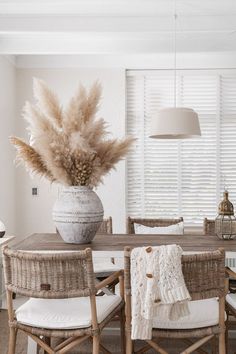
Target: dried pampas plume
[68,146]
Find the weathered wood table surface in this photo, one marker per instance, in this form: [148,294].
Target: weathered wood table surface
[115,242]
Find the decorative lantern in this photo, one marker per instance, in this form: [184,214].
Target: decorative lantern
[225,223]
[2,229]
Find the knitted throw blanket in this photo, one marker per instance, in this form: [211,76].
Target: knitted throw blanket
[158,287]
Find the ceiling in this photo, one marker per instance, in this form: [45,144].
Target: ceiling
[116,26]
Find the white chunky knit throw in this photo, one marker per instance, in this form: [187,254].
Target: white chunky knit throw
[158,287]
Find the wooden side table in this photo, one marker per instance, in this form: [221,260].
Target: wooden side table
[3,241]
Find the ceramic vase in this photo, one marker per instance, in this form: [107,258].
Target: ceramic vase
[77,214]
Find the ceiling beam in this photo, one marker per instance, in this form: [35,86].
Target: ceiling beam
[62,43]
[38,23]
[115,26]
[117,7]
[142,61]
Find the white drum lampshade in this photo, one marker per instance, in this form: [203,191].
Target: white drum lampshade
[175,123]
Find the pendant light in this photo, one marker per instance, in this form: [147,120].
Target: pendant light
[175,122]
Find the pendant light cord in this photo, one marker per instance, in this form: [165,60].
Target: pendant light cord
[175,56]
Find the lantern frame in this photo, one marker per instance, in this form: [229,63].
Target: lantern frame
[225,222]
[225,227]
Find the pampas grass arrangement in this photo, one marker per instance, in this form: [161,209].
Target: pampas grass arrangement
[69,145]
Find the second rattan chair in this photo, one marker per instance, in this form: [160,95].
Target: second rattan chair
[103,268]
[231,302]
[205,279]
[106,227]
[63,301]
[130,227]
[209,227]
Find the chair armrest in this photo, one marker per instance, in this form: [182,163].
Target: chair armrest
[230,273]
[110,279]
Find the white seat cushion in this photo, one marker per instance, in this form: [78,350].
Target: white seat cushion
[203,313]
[65,313]
[104,266]
[231,300]
[176,229]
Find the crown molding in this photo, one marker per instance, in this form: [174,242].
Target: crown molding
[132,61]
[113,24]
[114,43]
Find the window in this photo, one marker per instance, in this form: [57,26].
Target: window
[167,178]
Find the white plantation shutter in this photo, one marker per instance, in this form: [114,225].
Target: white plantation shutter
[135,127]
[227,114]
[160,158]
[170,178]
[198,156]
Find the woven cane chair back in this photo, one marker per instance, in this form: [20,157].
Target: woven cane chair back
[58,275]
[150,222]
[209,227]
[204,274]
[106,227]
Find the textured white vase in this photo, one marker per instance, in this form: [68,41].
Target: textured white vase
[77,214]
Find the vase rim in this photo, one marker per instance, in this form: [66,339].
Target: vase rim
[76,188]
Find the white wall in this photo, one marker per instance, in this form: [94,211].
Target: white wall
[7,127]
[63,73]
[33,214]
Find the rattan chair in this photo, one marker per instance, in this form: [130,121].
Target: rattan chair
[150,222]
[57,283]
[209,227]
[106,227]
[205,278]
[230,304]
[105,268]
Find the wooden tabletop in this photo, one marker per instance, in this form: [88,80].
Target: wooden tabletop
[46,242]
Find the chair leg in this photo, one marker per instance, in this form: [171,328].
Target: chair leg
[96,340]
[222,349]
[122,331]
[129,343]
[12,341]
[227,332]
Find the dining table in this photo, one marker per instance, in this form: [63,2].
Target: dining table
[117,242]
[107,246]
[113,245]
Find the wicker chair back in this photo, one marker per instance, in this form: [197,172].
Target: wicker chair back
[47,275]
[150,222]
[106,227]
[204,274]
[209,227]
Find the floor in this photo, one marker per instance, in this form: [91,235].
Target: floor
[110,339]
